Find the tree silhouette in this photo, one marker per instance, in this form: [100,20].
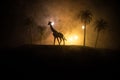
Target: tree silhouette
[30,23]
[85,16]
[41,31]
[100,25]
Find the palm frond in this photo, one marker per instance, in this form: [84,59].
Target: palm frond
[100,24]
[86,16]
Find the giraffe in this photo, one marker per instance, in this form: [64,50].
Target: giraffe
[57,35]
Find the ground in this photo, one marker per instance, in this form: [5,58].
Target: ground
[32,59]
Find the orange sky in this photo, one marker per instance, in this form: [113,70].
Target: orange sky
[64,14]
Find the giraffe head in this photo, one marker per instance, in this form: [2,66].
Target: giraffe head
[49,23]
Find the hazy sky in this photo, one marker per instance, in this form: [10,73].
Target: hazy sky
[15,28]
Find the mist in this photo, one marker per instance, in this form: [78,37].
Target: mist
[64,13]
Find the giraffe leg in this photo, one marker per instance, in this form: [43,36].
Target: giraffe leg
[54,41]
[63,42]
[58,41]
[64,39]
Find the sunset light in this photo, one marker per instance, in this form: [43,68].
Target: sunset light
[72,40]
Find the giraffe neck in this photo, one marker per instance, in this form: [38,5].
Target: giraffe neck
[52,29]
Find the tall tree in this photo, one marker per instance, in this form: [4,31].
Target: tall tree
[100,25]
[85,16]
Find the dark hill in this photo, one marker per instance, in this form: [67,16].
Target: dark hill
[50,58]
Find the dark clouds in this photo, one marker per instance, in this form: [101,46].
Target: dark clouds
[15,12]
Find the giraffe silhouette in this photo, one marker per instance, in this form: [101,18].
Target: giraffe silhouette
[57,35]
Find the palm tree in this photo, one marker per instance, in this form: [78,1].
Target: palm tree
[100,25]
[30,23]
[85,17]
[41,31]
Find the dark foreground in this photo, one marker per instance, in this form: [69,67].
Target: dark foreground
[33,60]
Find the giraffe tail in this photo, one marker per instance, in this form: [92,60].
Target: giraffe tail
[64,38]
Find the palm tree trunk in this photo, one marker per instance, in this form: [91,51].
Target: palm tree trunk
[84,35]
[97,39]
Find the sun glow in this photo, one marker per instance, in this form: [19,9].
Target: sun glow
[52,23]
[72,39]
[83,27]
